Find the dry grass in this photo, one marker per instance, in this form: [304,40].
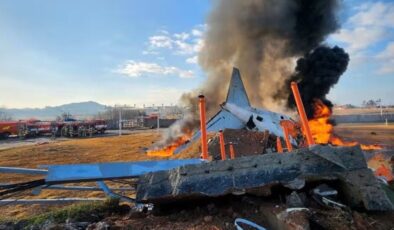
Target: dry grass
[104,149]
[368,133]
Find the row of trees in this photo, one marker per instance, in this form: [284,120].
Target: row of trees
[370,104]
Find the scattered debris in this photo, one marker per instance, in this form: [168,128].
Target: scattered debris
[245,143]
[238,221]
[252,174]
[294,200]
[323,194]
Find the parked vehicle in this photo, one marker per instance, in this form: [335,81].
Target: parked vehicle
[100,126]
[8,128]
[66,128]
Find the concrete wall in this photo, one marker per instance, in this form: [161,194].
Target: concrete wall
[364,118]
[164,123]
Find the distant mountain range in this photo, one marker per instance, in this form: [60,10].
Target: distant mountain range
[79,110]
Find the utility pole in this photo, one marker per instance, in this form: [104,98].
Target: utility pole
[120,121]
[158,121]
[381,108]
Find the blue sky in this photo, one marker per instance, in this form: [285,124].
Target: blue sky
[144,52]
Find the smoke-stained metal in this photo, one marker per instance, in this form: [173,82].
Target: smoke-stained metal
[301,112]
[203,128]
[287,139]
[236,93]
[232,152]
[237,116]
[222,148]
[279,147]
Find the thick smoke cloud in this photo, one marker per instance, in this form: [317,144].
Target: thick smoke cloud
[316,73]
[263,38]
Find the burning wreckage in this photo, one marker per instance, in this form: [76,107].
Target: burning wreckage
[298,164]
[255,173]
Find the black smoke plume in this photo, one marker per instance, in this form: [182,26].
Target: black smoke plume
[316,73]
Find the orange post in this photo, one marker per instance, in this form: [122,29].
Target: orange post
[203,128]
[287,139]
[301,111]
[232,153]
[279,147]
[222,149]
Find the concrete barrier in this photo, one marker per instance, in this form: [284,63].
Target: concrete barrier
[364,118]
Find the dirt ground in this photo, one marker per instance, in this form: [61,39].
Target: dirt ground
[124,148]
[368,133]
[14,142]
[90,150]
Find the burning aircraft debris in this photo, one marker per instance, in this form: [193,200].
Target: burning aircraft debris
[236,113]
[322,128]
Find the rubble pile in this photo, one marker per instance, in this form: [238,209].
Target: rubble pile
[221,213]
[321,187]
[257,175]
[245,143]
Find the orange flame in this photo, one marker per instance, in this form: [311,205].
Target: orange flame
[384,171]
[381,166]
[168,150]
[322,129]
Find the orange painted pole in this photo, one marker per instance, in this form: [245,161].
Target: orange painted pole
[287,139]
[203,128]
[222,149]
[301,111]
[232,153]
[279,147]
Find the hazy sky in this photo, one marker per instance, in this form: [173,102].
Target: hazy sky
[144,52]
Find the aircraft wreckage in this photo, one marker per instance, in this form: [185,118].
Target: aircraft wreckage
[166,181]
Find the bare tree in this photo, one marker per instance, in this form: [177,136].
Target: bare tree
[64,116]
[369,103]
[4,116]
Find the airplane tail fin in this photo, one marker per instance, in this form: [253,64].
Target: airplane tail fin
[236,92]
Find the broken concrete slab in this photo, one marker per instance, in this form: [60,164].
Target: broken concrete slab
[250,174]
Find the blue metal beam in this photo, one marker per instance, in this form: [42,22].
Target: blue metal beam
[105,171]
[23,170]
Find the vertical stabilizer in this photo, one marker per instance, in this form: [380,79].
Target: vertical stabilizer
[236,92]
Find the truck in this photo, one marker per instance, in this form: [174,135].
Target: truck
[66,128]
[8,128]
[20,128]
[100,126]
